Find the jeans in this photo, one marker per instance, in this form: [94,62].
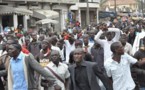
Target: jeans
[143,88]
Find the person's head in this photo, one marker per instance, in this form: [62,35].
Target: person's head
[100,26]
[60,44]
[71,38]
[14,50]
[104,26]
[123,39]
[20,27]
[55,56]
[117,48]
[91,34]
[86,39]
[46,44]
[131,30]
[78,44]
[96,44]
[11,41]
[49,33]
[41,37]
[54,40]
[78,55]
[34,36]
[27,40]
[109,36]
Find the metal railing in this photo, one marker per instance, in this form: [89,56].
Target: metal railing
[51,1]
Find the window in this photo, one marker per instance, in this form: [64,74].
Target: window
[82,0]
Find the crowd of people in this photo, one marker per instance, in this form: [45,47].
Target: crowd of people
[105,56]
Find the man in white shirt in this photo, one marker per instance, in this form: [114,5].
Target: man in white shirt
[58,68]
[105,43]
[69,46]
[118,68]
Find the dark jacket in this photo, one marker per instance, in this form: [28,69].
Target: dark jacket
[92,71]
[139,71]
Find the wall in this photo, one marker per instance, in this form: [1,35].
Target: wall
[63,10]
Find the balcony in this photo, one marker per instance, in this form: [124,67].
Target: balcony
[51,1]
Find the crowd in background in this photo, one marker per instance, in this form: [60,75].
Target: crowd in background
[105,56]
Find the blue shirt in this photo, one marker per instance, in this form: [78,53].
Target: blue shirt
[17,68]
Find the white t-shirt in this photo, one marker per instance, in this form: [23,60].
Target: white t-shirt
[120,72]
[69,48]
[106,44]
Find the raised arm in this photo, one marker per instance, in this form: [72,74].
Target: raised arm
[117,33]
[97,38]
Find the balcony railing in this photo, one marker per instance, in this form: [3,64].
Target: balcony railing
[51,1]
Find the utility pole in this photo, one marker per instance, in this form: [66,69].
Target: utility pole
[115,6]
[87,13]
[142,7]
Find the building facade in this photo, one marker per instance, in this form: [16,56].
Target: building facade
[80,11]
[28,12]
[121,5]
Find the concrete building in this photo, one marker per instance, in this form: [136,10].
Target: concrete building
[80,11]
[28,12]
[121,5]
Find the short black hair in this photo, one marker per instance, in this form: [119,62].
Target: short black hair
[17,46]
[114,46]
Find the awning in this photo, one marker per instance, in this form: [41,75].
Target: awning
[47,21]
[43,14]
[6,10]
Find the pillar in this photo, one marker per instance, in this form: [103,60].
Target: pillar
[15,20]
[1,28]
[0,20]
[97,16]
[63,20]
[25,18]
[79,16]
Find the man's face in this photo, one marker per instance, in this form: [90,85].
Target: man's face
[44,45]
[92,33]
[78,56]
[59,44]
[34,36]
[71,38]
[120,49]
[123,41]
[55,57]
[105,27]
[41,38]
[131,30]
[86,39]
[109,36]
[12,51]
